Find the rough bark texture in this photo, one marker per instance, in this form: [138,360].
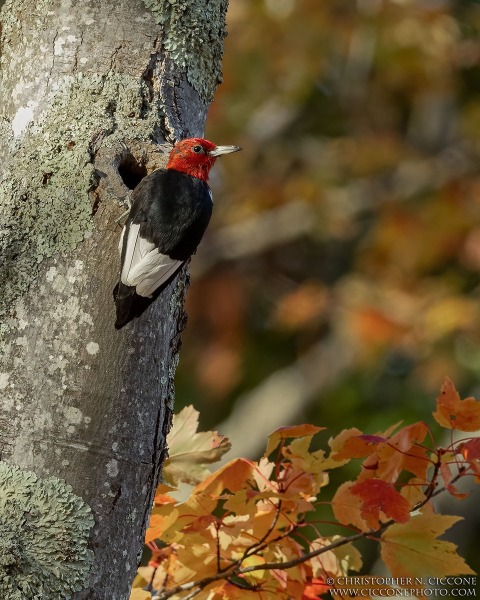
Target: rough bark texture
[88,92]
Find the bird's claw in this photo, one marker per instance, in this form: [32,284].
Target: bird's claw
[127,201]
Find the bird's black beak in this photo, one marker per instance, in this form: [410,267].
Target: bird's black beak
[219,150]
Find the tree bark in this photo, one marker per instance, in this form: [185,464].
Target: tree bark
[89,93]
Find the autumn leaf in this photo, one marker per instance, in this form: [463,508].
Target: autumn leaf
[447,476]
[284,433]
[401,451]
[336,562]
[315,588]
[386,455]
[162,496]
[138,594]
[299,455]
[379,496]
[454,413]
[189,450]
[412,549]
[352,443]
[349,558]
[233,477]
[470,450]
[347,507]
[143,576]
[159,523]
[254,561]
[414,492]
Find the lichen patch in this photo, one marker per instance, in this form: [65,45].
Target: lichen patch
[93,348]
[44,191]
[112,468]
[44,533]
[4,377]
[73,415]
[194,31]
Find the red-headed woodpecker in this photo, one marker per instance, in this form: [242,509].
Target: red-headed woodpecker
[169,214]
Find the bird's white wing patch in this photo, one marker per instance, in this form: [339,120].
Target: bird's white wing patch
[144,267]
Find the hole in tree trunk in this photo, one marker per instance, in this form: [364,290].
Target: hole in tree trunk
[131,171]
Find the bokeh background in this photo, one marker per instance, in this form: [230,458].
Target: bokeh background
[339,281]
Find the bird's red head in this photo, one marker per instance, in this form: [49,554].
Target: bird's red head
[196,156]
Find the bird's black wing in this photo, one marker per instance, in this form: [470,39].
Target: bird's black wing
[170,212]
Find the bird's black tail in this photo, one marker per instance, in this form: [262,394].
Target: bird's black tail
[128,304]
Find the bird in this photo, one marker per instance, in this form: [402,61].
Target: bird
[170,211]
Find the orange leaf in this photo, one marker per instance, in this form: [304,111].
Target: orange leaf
[385,456]
[161,495]
[315,588]
[159,523]
[350,443]
[413,550]
[454,413]
[401,452]
[347,507]
[233,477]
[295,431]
[378,495]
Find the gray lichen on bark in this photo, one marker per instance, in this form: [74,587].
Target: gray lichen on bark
[193,37]
[46,205]
[44,531]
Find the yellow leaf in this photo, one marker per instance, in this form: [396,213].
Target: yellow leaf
[140,580]
[297,452]
[254,561]
[348,556]
[190,451]
[143,577]
[412,549]
[138,594]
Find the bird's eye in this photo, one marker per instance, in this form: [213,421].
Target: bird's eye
[197,149]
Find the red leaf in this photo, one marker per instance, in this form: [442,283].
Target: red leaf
[378,495]
[470,450]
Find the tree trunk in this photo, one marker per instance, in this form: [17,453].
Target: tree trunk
[88,92]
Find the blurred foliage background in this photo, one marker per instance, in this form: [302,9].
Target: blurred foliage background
[339,281]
